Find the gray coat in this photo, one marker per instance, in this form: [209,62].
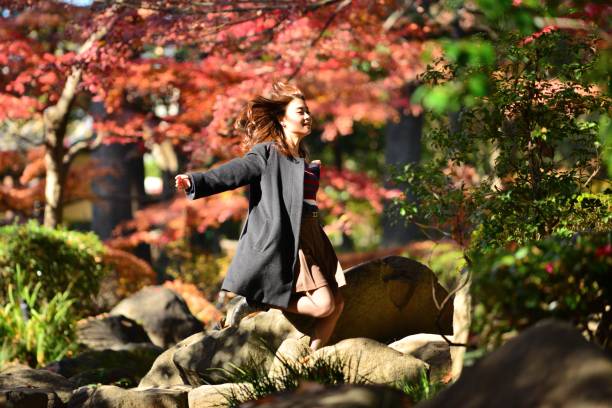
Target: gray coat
[262,269]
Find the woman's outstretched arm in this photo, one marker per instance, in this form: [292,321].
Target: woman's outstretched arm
[233,174]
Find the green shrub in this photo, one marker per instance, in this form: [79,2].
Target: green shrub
[518,163]
[566,278]
[35,331]
[58,259]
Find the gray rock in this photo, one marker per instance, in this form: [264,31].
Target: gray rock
[214,396]
[37,379]
[238,309]
[253,341]
[410,344]
[13,366]
[108,366]
[367,359]
[29,398]
[163,314]
[310,395]
[432,349]
[110,332]
[389,299]
[290,352]
[202,358]
[80,396]
[107,396]
[547,365]
[164,373]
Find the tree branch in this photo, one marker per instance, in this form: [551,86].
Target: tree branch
[86,144]
[202,8]
[440,307]
[331,18]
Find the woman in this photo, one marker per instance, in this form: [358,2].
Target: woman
[283,258]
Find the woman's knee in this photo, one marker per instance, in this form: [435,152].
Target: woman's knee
[324,301]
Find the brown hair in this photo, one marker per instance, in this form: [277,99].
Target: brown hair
[260,118]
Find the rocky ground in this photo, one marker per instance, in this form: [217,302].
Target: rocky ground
[153,344]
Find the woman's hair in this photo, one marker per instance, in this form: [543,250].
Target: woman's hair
[260,118]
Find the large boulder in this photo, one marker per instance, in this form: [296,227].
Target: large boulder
[201,358]
[342,396]
[108,366]
[290,353]
[39,379]
[367,359]
[391,298]
[107,396]
[215,396]
[253,341]
[110,332]
[29,398]
[163,372]
[548,365]
[163,314]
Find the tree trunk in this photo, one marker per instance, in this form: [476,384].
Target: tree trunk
[55,119]
[402,146]
[119,193]
[55,123]
[54,190]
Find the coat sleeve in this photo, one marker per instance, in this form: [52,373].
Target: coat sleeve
[233,174]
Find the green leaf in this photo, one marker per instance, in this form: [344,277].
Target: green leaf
[477,85]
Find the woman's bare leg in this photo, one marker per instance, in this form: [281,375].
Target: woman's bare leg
[322,304]
[325,326]
[316,303]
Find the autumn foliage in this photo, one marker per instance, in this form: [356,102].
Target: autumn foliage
[182,71]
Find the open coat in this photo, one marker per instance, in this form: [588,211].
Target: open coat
[263,267]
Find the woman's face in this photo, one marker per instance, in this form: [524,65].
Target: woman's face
[297,120]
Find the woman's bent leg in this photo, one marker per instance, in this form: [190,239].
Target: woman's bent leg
[317,303]
[322,304]
[324,327]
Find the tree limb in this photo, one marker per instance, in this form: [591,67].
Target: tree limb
[331,18]
[86,144]
[440,307]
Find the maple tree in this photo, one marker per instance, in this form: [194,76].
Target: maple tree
[139,57]
[181,71]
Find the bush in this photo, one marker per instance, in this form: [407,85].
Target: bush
[34,331]
[58,259]
[519,161]
[515,158]
[566,278]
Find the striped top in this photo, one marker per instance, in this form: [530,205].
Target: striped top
[312,174]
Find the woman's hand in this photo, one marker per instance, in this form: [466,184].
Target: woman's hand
[182,182]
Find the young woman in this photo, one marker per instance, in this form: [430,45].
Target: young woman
[283,258]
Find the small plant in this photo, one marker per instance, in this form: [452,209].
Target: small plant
[421,389]
[32,330]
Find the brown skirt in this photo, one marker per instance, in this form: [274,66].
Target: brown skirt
[318,265]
